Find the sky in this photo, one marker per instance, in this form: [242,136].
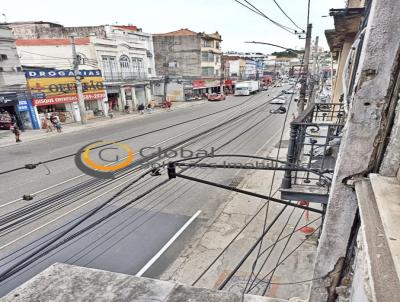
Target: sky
[234,22]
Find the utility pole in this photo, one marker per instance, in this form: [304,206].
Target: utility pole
[222,73]
[306,62]
[166,80]
[316,55]
[79,90]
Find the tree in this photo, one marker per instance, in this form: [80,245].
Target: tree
[287,54]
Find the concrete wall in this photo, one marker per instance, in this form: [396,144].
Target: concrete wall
[51,30]
[10,67]
[363,133]
[62,282]
[184,50]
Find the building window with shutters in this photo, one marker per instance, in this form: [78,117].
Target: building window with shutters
[207,71]
[110,69]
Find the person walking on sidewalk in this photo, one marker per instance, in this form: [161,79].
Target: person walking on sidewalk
[17,132]
[56,122]
[168,104]
[141,108]
[47,123]
[152,105]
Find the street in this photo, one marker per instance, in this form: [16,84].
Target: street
[130,238]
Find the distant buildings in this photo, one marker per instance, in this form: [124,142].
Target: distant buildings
[189,62]
[124,54]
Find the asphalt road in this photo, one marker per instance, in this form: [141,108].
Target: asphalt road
[127,240]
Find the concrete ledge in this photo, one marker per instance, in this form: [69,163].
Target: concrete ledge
[63,282]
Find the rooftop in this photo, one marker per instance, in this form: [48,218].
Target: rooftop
[40,42]
[180,32]
[63,282]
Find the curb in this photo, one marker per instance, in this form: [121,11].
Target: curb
[98,124]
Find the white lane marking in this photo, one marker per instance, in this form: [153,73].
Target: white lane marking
[65,214]
[167,245]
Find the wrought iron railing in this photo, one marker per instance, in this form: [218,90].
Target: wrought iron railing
[124,76]
[315,137]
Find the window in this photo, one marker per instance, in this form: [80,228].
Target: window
[18,68]
[207,43]
[207,57]
[124,63]
[1,69]
[109,66]
[207,71]
[149,70]
[217,44]
[173,64]
[3,57]
[138,66]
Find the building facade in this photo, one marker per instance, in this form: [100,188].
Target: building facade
[189,62]
[123,54]
[15,103]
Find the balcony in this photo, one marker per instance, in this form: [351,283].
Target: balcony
[315,137]
[115,76]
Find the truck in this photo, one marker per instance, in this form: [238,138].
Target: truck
[247,87]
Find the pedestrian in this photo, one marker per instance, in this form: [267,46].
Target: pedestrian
[56,122]
[47,123]
[17,132]
[152,105]
[168,104]
[141,108]
[149,108]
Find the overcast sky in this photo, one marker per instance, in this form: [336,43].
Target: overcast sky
[234,22]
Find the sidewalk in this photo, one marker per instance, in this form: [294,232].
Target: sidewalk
[232,216]
[7,137]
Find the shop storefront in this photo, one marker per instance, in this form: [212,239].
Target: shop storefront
[28,115]
[8,111]
[54,92]
[140,94]
[202,87]
[14,107]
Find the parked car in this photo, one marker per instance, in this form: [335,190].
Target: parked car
[216,97]
[288,92]
[278,100]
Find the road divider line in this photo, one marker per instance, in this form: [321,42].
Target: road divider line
[167,245]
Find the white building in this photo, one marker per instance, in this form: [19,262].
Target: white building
[124,54]
[10,67]
[14,100]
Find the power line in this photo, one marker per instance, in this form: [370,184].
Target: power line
[251,127]
[281,9]
[34,165]
[238,234]
[287,256]
[265,16]
[273,179]
[258,12]
[31,258]
[269,254]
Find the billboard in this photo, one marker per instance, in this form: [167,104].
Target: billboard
[50,87]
